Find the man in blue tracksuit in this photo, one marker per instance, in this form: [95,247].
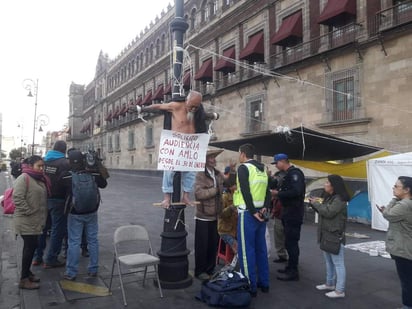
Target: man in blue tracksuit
[252,198]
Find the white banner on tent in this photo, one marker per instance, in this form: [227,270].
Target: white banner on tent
[382,175]
[182,152]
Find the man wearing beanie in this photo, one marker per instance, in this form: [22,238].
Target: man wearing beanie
[56,166]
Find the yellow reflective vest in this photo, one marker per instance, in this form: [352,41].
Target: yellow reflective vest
[258,182]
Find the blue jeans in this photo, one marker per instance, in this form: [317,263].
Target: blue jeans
[228,239]
[188,179]
[335,269]
[58,228]
[75,228]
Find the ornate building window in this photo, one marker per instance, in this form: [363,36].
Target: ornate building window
[163,44]
[158,48]
[151,53]
[131,143]
[342,95]
[149,136]
[204,11]
[193,19]
[117,142]
[213,8]
[254,112]
[110,143]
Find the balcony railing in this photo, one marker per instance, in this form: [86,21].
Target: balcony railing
[394,16]
[331,40]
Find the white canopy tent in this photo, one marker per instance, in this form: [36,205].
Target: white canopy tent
[382,174]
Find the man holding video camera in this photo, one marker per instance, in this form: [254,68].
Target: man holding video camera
[252,197]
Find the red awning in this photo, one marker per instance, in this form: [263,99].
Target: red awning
[225,65]
[117,113]
[334,9]
[168,89]
[205,73]
[123,111]
[289,30]
[148,98]
[158,95]
[109,116]
[187,80]
[139,100]
[254,50]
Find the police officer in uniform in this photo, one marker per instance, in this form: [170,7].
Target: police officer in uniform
[252,198]
[291,194]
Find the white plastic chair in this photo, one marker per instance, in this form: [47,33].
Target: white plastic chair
[138,259]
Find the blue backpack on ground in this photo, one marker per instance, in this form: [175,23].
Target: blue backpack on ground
[226,289]
[85,193]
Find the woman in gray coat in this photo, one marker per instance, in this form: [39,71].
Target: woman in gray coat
[399,237]
[333,214]
[30,192]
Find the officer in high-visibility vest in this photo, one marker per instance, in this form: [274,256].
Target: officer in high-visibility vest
[252,198]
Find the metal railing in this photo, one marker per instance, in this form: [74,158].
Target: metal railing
[337,38]
[394,16]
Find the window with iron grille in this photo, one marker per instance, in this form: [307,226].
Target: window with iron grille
[131,144]
[343,106]
[117,142]
[110,143]
[149,136]
[342,95]
[254,112]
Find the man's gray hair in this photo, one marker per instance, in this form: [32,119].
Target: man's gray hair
[193,92]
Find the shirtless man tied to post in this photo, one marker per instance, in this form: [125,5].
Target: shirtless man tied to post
[182,122]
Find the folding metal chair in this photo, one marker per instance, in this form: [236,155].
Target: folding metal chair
[137,259]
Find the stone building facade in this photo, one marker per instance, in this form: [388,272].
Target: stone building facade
[342,67]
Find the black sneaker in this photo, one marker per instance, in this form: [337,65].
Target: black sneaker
[289,276]
[283,270]
[280,260]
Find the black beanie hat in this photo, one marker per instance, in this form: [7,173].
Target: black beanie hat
[60,146]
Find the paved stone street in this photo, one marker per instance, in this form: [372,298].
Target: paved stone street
[371,281]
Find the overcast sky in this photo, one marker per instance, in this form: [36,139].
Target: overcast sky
[59,42]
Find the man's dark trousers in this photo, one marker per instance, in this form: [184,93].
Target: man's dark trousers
[292,237]
[58,230]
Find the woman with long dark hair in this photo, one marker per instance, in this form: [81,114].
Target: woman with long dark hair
[399,237]
[332,222]
[30,192]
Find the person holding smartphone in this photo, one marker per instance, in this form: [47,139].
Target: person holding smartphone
[399,236]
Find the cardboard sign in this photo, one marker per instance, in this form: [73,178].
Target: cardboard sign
[182,152]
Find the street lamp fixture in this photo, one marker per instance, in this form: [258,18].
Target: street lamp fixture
[42,121]
[32,87]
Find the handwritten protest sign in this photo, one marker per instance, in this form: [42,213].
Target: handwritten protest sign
[182,152]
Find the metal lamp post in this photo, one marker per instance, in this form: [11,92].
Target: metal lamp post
[33,88]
